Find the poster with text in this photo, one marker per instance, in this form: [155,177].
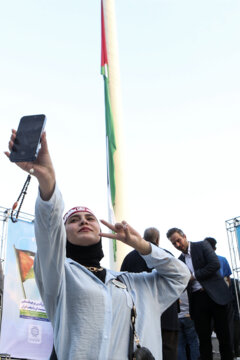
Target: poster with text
[25,330]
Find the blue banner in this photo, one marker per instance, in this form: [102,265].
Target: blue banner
[25,330]
[238,237]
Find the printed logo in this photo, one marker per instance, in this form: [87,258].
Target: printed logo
[34,334]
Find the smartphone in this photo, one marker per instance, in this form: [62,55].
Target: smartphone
[27,141]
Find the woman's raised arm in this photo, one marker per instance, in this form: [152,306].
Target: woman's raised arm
[41,168]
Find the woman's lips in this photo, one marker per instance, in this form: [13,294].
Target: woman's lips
[84,229]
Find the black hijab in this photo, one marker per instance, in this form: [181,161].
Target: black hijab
[87,256]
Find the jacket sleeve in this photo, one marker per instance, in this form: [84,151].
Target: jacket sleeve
[165,283]
[51,245]
[211,263]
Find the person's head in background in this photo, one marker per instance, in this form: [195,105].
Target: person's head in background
[152,235]
[212,242]
[178,239]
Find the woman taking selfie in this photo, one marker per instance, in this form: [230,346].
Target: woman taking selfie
[90,307]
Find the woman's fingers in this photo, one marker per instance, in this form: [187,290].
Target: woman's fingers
[10,145]
[121,231]
[12,139]
[114,236]
[7,153]
[44,145]
[107,224]
[126,234]
[126,231]
[13,135]
[108,235]
[118,227]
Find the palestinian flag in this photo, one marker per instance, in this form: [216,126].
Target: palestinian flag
[25,259]
[110,132]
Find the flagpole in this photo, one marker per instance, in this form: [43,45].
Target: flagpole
[120,208]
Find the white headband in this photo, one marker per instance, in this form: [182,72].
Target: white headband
[76,210]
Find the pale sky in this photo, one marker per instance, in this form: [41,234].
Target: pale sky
[180,88]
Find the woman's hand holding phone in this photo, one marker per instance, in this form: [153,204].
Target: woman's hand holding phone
[41,168]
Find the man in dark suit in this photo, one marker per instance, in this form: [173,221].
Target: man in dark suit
[133,262]
[209,295]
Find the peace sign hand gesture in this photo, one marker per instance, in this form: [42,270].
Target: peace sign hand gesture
[125,233]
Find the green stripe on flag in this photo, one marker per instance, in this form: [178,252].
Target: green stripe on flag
[110,133]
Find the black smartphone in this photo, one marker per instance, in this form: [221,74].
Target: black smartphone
[27,141]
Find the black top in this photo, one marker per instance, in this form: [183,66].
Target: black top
[133,262]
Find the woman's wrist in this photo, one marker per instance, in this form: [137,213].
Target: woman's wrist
[46,187]
[144,247]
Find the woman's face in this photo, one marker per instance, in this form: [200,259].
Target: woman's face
[83,229]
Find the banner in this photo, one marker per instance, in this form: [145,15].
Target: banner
[238,237]
[25,331]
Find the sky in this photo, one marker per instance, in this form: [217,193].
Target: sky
[180,89]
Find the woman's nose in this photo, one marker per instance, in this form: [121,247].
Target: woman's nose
[83,220]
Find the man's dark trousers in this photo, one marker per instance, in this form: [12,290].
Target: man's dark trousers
[211,302]
[203,310]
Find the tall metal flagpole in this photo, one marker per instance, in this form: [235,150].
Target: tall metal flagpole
[115,97]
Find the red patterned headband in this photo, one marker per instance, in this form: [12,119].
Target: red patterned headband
[76,210]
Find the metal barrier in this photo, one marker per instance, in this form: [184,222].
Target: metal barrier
[233,227]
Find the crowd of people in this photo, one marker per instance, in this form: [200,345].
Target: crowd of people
[206,305]
[156,307]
